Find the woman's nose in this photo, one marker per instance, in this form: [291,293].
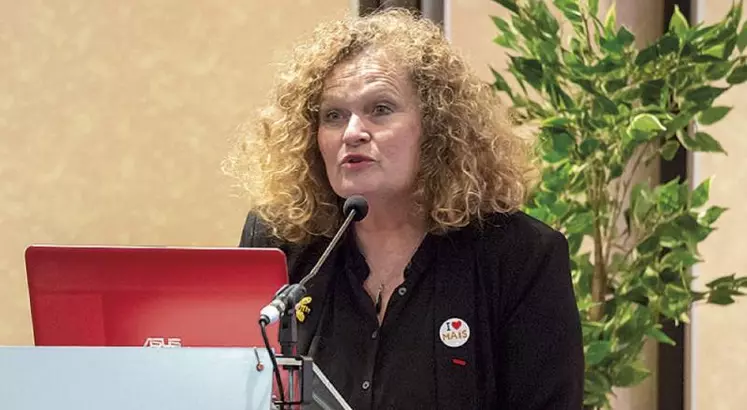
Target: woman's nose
[355,131]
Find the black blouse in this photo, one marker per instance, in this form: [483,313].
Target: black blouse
[485,319]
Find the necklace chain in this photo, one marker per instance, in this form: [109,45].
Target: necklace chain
[377,298]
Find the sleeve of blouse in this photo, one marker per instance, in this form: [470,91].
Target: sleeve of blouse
[540,346]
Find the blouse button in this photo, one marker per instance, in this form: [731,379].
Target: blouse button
[402,290]
[366,385]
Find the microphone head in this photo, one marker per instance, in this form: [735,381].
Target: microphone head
[358,204]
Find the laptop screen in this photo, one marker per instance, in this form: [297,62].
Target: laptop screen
[151,296]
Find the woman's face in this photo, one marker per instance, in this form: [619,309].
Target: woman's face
[370,128]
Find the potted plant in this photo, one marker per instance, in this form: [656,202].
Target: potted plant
[604,110]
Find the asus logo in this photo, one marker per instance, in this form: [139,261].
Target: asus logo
[163,342]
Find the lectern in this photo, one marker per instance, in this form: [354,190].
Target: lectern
[139,328]
[119,378]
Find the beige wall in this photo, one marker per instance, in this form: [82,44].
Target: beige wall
[471,30]
[719,334]
[115,116]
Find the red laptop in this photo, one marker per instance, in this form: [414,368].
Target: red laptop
[151,296]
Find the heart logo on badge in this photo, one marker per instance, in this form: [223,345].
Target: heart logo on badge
[454,332]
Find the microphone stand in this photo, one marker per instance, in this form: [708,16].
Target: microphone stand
[292,294]
[288,338]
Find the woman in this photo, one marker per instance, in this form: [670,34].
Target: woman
[445,295]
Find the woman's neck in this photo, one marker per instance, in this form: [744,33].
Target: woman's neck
[390,228]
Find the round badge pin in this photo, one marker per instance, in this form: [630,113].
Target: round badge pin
[454,332]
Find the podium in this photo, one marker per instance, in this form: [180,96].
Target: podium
[119,378]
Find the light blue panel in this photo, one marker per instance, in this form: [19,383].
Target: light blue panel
[119,378]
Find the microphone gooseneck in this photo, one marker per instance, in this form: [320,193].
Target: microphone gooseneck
[355,209]
[286,298]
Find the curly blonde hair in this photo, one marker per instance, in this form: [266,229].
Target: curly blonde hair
[472,164]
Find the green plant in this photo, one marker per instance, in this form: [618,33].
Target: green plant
[604,110]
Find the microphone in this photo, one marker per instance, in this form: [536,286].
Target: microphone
[355,209]
[357,204]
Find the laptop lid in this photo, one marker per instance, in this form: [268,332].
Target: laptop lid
[151,296]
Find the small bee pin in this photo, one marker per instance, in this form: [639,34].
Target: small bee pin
[303,309]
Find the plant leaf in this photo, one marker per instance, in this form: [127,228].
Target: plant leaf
[641,202]
[738,75]
[699,196]
[704,142]
[646,123]
[712,214]
[678,23]
[718,70]
[593,7]
[562,142]
[647,55]
[597,387]
[713,114]
[625,36]
[570,9]
[651,91]
[500,83]
[615,84]
[742,39]
[658,335]
[705,93]
[597,351]
[557,121]
[720,296]
[679,122]
[588,146]
[716,51]
[509,4]
[610,20]
[603,105]
[668,44]
[729,47]
[507,36]
[530,69]
[724,280]
[631,375]
[574,242]
[579,223]
[669,149]
[546,22]
[678,259]
[500,23]
[684,318]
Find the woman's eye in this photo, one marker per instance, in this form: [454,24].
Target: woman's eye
[382,109]
[332,115]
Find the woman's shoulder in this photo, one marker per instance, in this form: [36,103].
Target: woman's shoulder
[517,240]
[516,227]
[518,252]
[257,233]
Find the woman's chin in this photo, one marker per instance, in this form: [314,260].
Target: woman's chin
[372,191]
[347,193]
[346,190]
